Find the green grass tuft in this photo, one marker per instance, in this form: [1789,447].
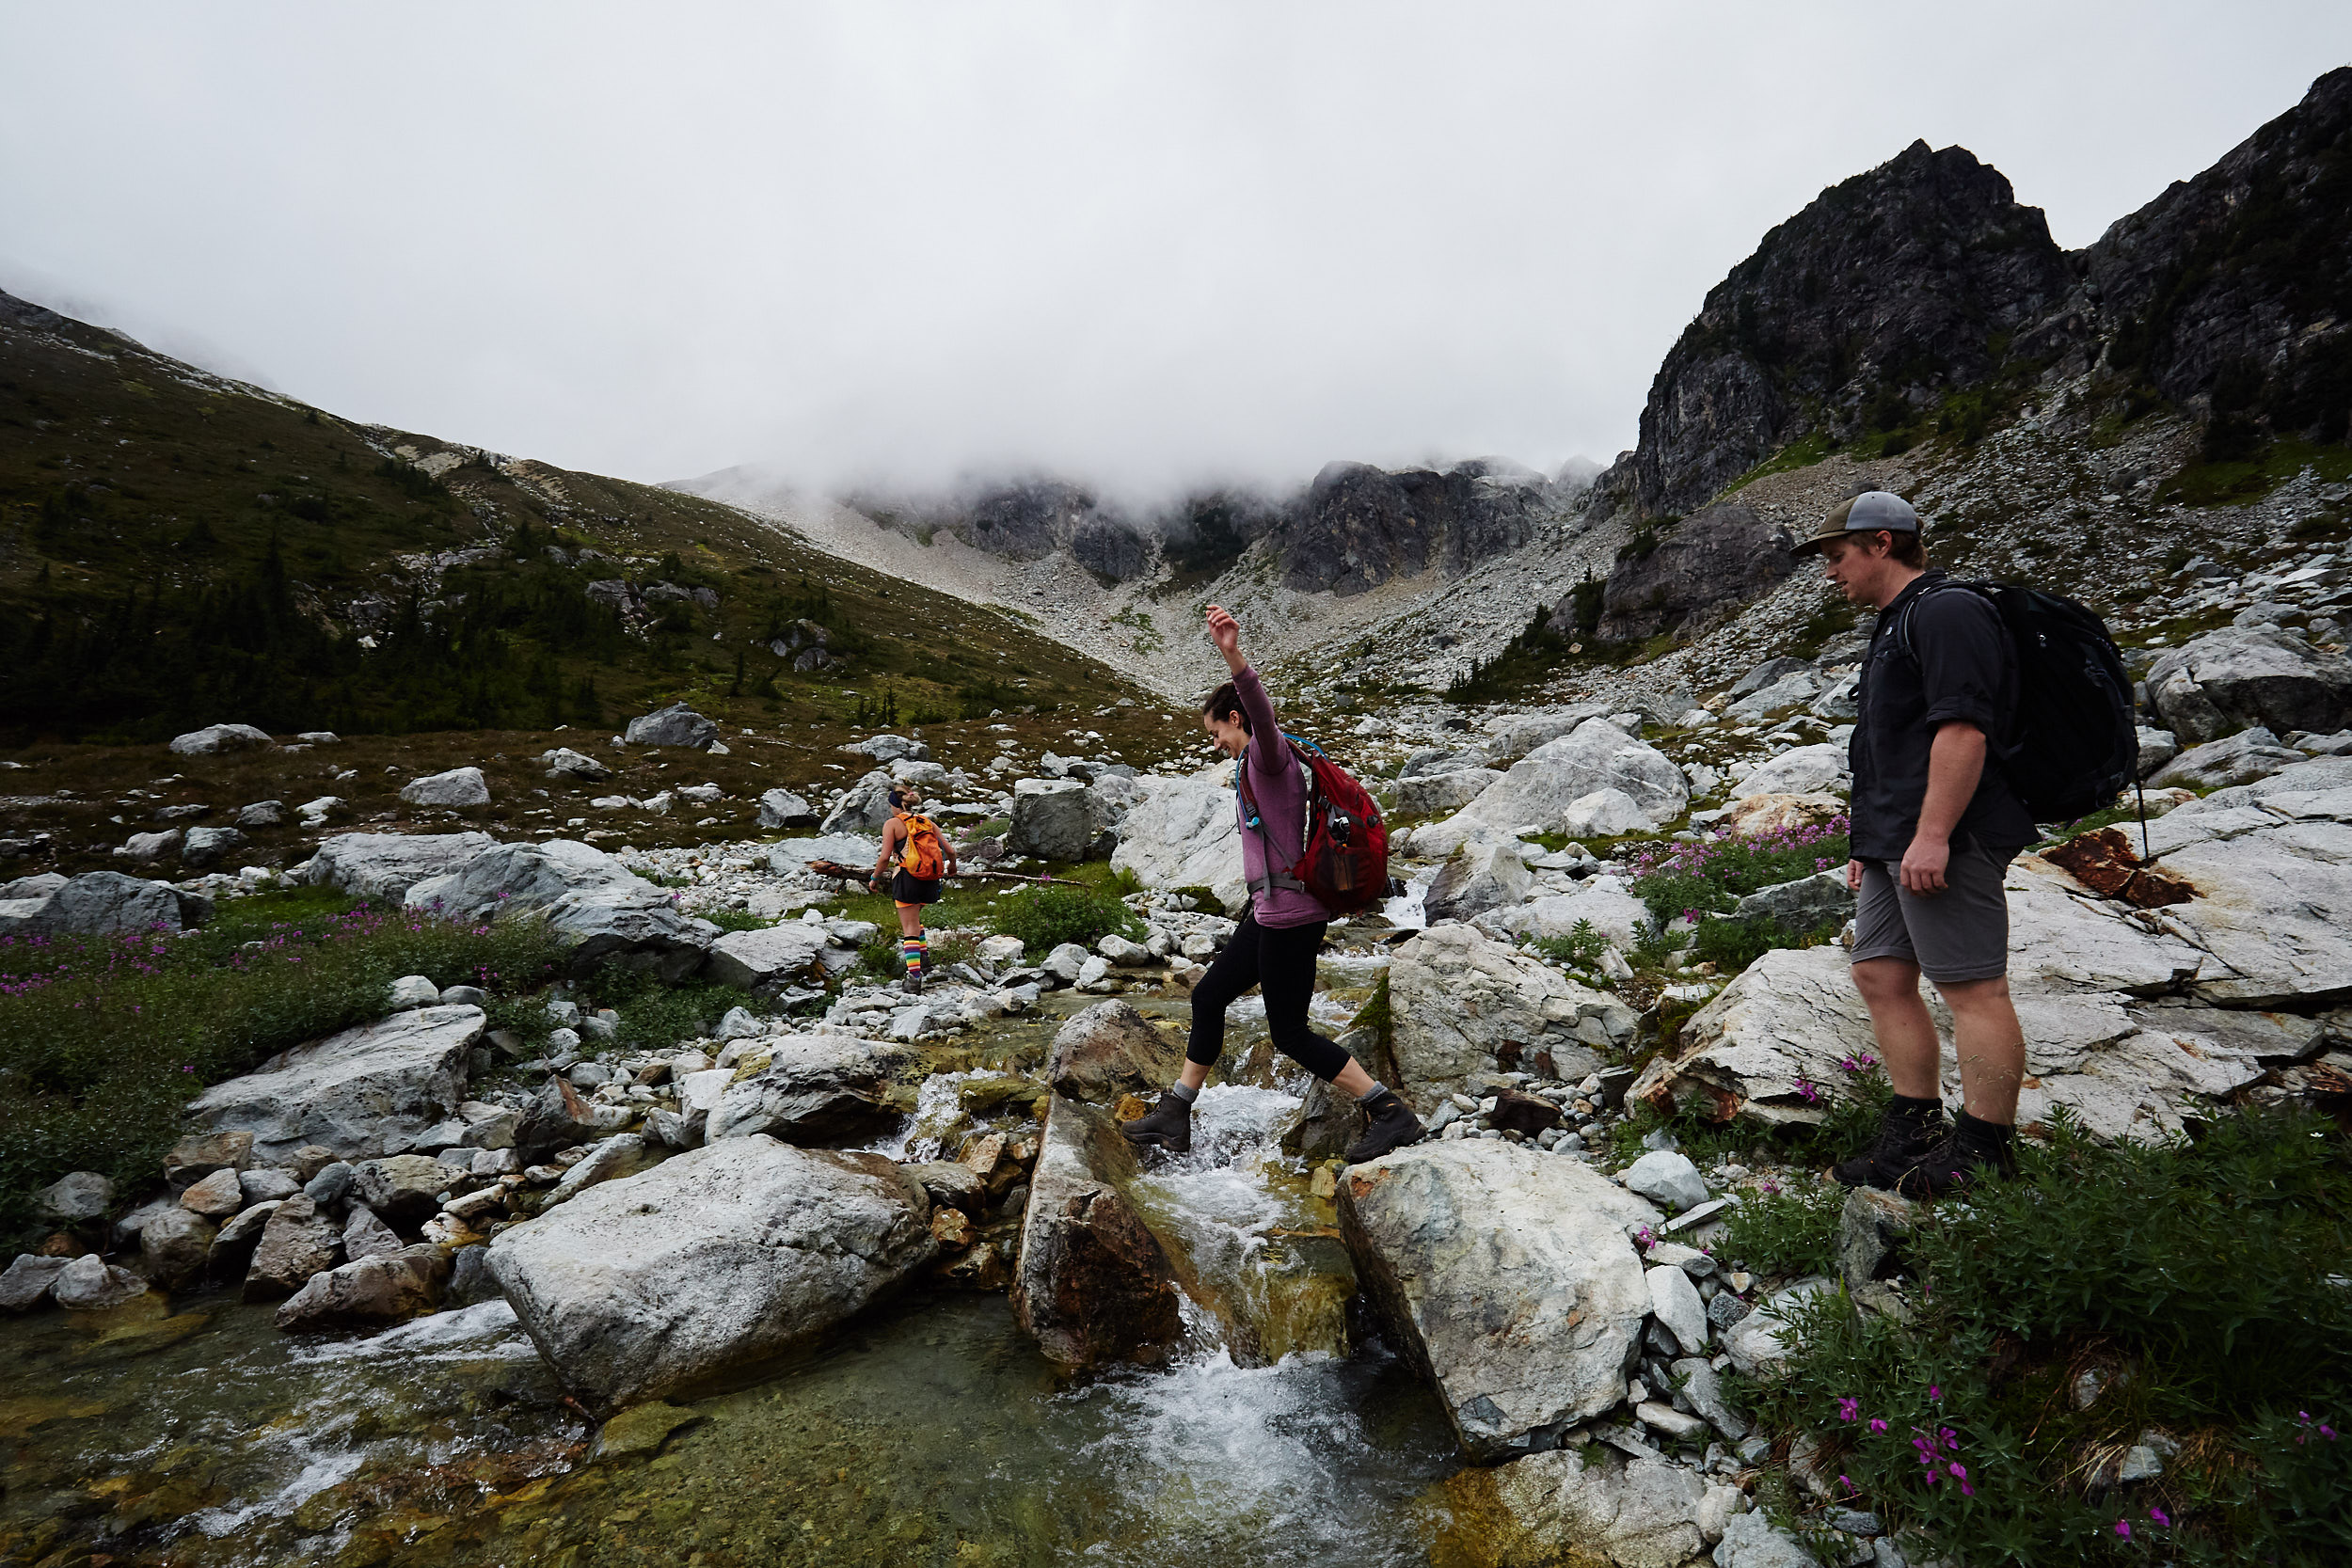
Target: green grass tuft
[103,1039]
[2200,1277]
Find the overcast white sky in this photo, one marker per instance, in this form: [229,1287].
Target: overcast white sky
[1143,243]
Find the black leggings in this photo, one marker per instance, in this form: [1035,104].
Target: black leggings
[1280,963]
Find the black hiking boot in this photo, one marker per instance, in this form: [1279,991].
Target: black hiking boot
[1975,1151]
[1166,1126]
[912,984]
[1904,1135]
[1392,1126]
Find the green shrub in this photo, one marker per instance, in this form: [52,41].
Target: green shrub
[735,920]
[1045,917]
[1691,877]
[1581,948]
[656,1016]
[1785,1231]
[2200,1278]
[103,1040]
[1731,945]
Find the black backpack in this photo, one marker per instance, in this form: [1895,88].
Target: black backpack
[2073,743]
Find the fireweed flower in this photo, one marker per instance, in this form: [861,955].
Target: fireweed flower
[1878,1423]
[2123,1528]
[1849,1408]
[2162,1519]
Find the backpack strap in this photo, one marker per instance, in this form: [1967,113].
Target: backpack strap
[1275,878]
[2003,747]
[1902,621]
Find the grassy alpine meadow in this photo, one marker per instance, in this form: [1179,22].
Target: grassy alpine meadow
[2129,1353]
[103,1039]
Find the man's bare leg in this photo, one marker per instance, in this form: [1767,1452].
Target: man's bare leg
[1991,1044]
[1900,1019]
[1908,1046]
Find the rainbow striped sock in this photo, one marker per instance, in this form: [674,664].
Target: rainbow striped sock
[913,950]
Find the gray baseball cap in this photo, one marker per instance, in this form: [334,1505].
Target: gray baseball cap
[1866,512]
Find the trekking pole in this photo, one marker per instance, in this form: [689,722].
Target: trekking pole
[2141,790]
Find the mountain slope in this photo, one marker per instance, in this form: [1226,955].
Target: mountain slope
[177,548]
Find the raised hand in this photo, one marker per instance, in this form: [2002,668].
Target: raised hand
[1226,633]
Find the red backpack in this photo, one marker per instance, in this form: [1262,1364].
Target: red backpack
[1345,866]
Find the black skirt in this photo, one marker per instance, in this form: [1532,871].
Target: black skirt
[913,890]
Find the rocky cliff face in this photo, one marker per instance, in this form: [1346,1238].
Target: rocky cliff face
[1353,529]
[2229,295]
[1358,525]
[1719,556]
[2234,289]
[1883,294]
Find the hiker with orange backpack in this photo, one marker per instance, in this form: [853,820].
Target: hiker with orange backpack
[924,859]
[1313,846]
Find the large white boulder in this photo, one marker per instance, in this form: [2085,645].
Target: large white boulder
[1053,819]
[2240,676]
[2061,937]
[214,739]
[2273,872]
[458,787]
[98,903]
[1800,771]
[1504,1277]
[674,726]
[1434,794]
[1604,814]
[363,1093]
[717,1258]
[1774,1043]
[863,808]
[768,957]
[1541,786]
[793,856]
[1462,1002]
[1184,833]
[2237,759]
[816,1088]
[1603,900]
[781,808]
[1485,872]
[386,865]
[1514,737]
[595,905]
[887,749]
[1796,687]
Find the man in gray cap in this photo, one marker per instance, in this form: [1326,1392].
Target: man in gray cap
[1934,828]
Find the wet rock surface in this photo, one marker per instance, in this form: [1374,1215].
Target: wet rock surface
[709,1263]
[1506,1280]
[1094,1285]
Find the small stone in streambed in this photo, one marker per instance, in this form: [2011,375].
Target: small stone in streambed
[641,1431]
[217,1196]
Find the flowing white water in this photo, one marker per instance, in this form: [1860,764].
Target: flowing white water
[445,1443]
[1406,908]
[937,1111]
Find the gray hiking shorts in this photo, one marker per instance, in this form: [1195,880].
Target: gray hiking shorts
[1959,934]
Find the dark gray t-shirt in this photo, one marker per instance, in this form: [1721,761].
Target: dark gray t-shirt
[1958,665]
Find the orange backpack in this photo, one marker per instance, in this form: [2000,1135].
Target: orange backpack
[919,854]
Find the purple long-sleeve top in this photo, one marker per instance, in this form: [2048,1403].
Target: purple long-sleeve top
[1279,783]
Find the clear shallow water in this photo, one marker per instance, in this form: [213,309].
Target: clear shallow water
[930,1433]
